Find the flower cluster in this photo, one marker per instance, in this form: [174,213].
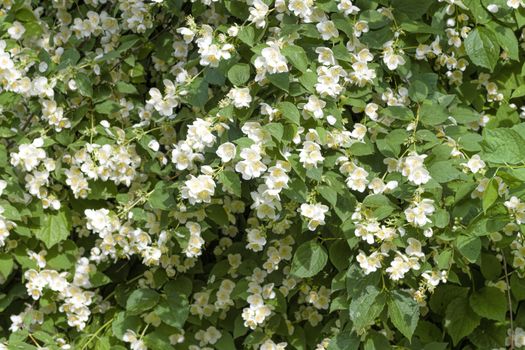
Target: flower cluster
[264,175]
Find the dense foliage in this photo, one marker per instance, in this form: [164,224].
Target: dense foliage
[260,174]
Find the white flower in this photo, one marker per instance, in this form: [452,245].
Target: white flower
[417,214]
[314,107]
[392,59]
[30,155]
[135,343]
[326,56]
[184,157]
[226,152]
[310,154]
[315,213]
[16,31]
[398,268]
[195,241]
[347,7]
[241,97]
[327,30]
[515,3]
[270,345]
[198,189]
[258,12]
[413,168]
[475,164]
[370,263]
[3,185]
[154,145]
[251,165]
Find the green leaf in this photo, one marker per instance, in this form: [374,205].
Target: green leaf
[231,182]
[411,8]
[239,74]
[460,319]
[162,197]
[174,309]
[217,214]
[141,300]
[490,195]
[290,112]
[366,308]
[6,265]
[126,88]
[344,341]
[54,227]
[247,35]
[418,91]
[469,246]
[432,113]
[506,39]
[502,146]
[85,87]
[296,56]
[107,107]
[490,267]
[489,302]
[225,342]
[123,322]
[444,171]
[398,112]
[25,15]
[309,259]
[276,130]
[280,80]
[482,48]
[69,58]
[403,311]
[517,287]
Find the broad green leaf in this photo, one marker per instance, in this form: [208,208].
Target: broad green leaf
[490,195]
[296,56]
[126,88]
[398,112]
[163,197]
[54,227]
[460,320]
[84,84]
[444,171]
[482,48]
[489,302]
[174,309]
[502,146]
[506,39]
[432,113]
[469,246]
[403,311]
[141,300]
[231,182]
[6,265]
[365,308]
[344,341]
[309,259]
[247,35]
[122,322]
[239,74]
[280,80]
[107,107]
[290,112]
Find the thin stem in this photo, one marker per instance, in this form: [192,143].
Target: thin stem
[96,333]
[509,300]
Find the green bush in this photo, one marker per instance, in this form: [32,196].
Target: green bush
[288,174]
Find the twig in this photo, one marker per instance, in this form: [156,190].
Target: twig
[509,302]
